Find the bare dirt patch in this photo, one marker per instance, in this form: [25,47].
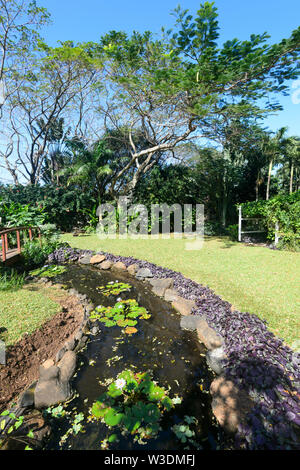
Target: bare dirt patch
[24,358]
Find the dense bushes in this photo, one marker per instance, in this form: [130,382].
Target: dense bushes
[64,207]
[285,210]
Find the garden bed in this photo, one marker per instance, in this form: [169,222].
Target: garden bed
[258,363]
[256,395]
[24,358]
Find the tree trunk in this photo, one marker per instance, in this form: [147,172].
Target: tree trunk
[291,177]
[269,180]
[257,183]
[224,212]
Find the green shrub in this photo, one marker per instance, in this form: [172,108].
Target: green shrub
[10,279]
[14,214]
[284,210]
[233,232]
[60,205]
[34,254]
[213,228]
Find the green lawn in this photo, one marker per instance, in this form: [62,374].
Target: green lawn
[253,279]
[24,310]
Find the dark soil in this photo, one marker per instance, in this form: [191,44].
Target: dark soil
[24,358]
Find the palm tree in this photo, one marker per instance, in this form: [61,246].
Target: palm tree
[272,148]
[89,167]
[291,147]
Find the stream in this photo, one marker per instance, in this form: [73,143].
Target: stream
[175,358]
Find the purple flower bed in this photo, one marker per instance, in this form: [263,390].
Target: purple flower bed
[258,361]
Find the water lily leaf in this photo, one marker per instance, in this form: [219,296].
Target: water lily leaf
[112,418]
[99,409]
[112,438]
[130,330]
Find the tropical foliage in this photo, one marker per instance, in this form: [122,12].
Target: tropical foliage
[133,404]
[124,314]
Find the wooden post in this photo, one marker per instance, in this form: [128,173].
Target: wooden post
[3,249]
[18,242]
[240,224]
[6,242]
[30,234]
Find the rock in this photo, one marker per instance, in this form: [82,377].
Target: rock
[105,265]
[190,322]
[96,259]
[67,366]
[51,373]
[79,335]
[183,306]
[48,363]
[167,282]
[132,269]
[49,391]
[26,399]
[159,286]
[70,345]
[230,404]
[85,260]
[144,273]
[53,386]
[208,336]
[171,295]
[60,354]
[119,265]
[81,343]
[215,360]
[95,330]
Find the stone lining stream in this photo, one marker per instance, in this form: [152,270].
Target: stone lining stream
[174,356]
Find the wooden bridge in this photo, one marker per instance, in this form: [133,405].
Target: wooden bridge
[10,254]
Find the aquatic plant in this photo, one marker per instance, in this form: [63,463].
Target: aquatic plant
[135,404]
[15,423]
[114,288]
[48,271]
[258,361]
[124,314]
[185,434]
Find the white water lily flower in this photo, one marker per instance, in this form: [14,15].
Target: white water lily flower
[120,383]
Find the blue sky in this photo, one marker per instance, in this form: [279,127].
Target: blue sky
[87,20]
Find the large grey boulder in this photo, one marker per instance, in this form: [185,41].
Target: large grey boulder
[171,295]
[215,360]
[183,306]
[85,260]
[159,286]
[191,322]
[144,273]
[53,386]
[208,336]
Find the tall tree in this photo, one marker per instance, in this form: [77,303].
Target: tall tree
[272,148]
[50,92]
[173,87]
[20,21]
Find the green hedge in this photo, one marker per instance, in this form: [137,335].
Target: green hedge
[282,209]
[61,206]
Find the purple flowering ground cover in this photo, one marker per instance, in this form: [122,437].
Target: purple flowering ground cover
[258,361]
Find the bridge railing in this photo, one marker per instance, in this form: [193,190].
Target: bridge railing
[4,238]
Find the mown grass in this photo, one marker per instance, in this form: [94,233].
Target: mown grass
[25,310]
[253,279]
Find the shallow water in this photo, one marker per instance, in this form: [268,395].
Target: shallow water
[175,358]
